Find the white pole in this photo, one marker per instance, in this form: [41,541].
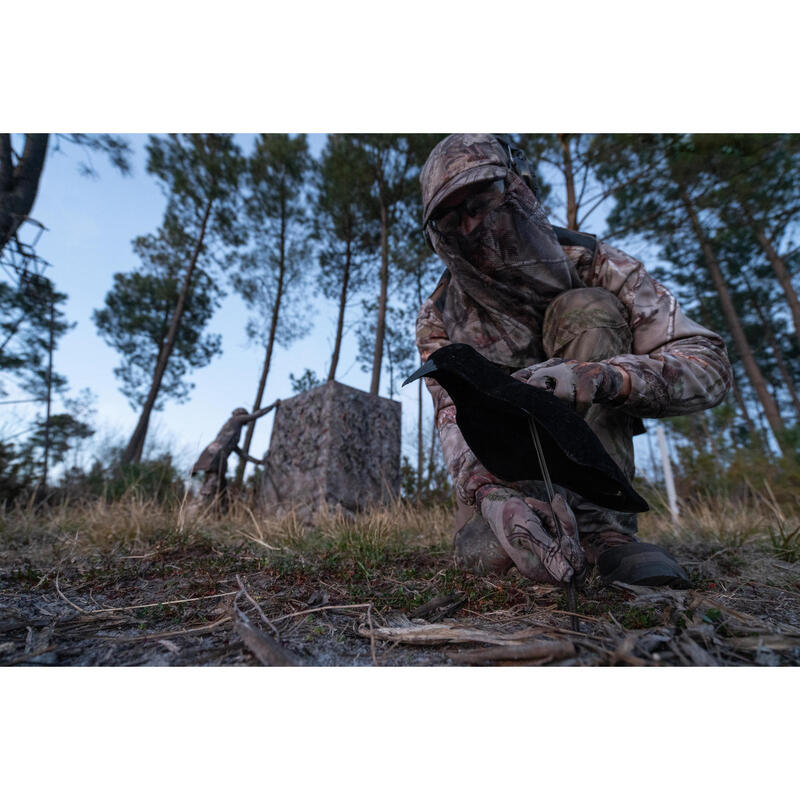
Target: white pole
[671,496]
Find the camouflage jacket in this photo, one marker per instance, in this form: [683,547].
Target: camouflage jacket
[215,457]
[676,366]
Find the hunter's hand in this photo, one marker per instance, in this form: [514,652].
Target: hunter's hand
[569,531]
[579,383]
[525,529]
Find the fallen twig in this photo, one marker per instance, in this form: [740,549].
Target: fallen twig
[371,635]
[573,615]
[67,600]
[763,642]
[444,603]
[263,647]
[90,612]
[699,656]
[163,603]
[260,539]
[623,654]
[319,608]
[146,555]
[165,634]
[543,625]
[441,633]
[541,649]
[258,608]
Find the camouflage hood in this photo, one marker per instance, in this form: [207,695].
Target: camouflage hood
[506,271]
[457,161]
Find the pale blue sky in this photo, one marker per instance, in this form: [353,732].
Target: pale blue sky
[91,223]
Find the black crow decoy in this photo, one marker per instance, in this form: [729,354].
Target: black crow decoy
[498,415]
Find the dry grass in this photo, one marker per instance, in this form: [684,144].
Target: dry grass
[755,521]
[136,526]
[135,582]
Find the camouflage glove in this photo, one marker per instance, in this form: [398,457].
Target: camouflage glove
[526,530]
[579,383]
[471,475]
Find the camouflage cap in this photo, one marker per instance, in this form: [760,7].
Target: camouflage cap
[458,160]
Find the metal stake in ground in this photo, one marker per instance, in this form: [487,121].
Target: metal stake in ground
[572,592]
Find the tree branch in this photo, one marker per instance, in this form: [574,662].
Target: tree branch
[6,165]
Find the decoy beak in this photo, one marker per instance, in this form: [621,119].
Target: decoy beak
[425,369]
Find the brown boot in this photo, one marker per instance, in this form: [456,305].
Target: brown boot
[476,549]
[621,558]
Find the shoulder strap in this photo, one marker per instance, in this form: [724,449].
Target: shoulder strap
[440,292]
[568,238]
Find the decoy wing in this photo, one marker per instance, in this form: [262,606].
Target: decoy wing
[492,412]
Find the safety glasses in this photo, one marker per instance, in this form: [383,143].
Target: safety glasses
[484,198]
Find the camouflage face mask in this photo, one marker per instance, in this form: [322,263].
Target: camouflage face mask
[484,198]
[504,274]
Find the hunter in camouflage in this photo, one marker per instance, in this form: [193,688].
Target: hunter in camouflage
[213,461]
[564,312]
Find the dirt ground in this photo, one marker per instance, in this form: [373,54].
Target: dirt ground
[196,601]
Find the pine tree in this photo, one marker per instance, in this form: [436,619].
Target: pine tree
[200,175]
[566,166]
[138,311]
[32,321]
[757,190]
[661,182]
[20,173]
[344,236]
[393,161]
[271,274]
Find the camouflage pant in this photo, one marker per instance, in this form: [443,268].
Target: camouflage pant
[213,492]
[588,325]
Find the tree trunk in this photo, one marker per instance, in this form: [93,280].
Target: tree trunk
[133,452]
[51,344]
[781,272]
[340,322]
[432,450]
[6,163]
[380,327]
[712,445]
[763,434]
[737,332]
[755,437]
[569,177]
[654,465]
[273,327]
[19,185]
[420,458]
[778,353]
